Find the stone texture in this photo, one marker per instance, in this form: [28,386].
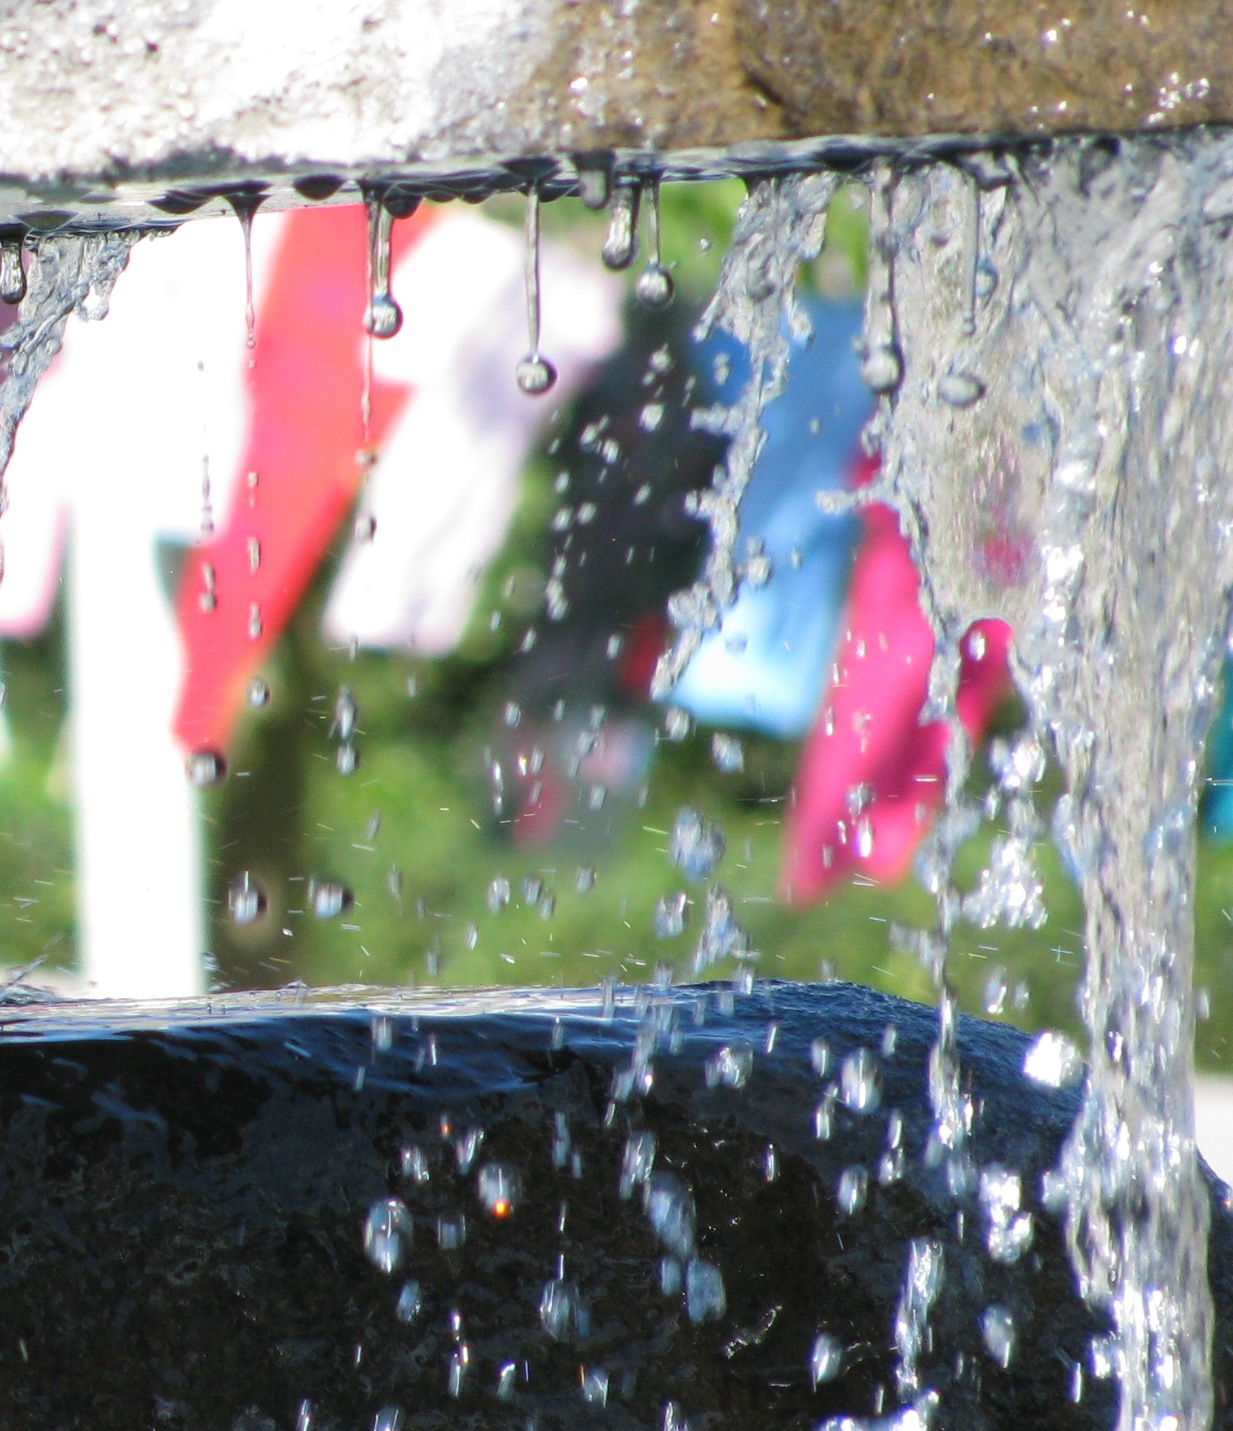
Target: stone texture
[182,1206]
[105,104]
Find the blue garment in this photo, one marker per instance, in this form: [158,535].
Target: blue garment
[766,667]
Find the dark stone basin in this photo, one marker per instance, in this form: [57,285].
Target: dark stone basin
[183,1204]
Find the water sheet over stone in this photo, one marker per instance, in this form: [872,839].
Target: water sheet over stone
[1058,442]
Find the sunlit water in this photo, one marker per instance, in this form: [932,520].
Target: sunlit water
[1043,333]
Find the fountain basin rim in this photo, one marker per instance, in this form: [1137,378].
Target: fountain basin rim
[164,196]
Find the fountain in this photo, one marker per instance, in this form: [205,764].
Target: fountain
[1042,322]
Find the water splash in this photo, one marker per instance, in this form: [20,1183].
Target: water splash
[70,274]
[780,226]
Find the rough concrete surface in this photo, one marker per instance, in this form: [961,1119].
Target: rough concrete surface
[95,93]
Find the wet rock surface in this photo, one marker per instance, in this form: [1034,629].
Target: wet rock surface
[577,1235]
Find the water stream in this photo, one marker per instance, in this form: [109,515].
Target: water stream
[1057,444]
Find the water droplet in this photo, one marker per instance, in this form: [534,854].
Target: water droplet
[304,1416]
[770,1164]
[1053,1060]
[584,878]
[389,1418]
[409,1302]
[498,895]
[678,724]
[255,626]
[498,1189]
[205,768]
[852,1190]
[12,272]
[383,316]
[997,1326]
[621,240]
[535,375]
[674,1418]
[637,1161]
[562,1311]
[730,1067]
[258,693]
[451,1232]
[246,899]
[387,1234]
[728,753]
[671,915]
[365,526]
[882,368]
[328,898]
[860,1082]
[1009,1233]
[655,287]
[670,1210]
[696,846]
[506,1374]
[825,1359]
[705,1296]
[594,1386]
[959,389]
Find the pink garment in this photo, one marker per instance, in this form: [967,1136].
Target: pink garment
[871,775]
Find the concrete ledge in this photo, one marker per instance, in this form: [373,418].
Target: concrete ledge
[95,93]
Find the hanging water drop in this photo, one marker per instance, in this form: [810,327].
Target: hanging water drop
[245,206]
[594,185]
[258,693]
[12,272]
[621,240]
[383,317]
[534,373]
[654,287]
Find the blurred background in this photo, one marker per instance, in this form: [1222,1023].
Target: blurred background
[444,767]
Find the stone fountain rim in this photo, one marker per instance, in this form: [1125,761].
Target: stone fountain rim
[163,196]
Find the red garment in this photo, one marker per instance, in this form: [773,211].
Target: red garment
[305,435]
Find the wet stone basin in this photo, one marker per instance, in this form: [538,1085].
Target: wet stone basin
[311,1216]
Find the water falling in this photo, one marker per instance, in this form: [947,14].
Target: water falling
[70,274]
[780,226]
[1079,492]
